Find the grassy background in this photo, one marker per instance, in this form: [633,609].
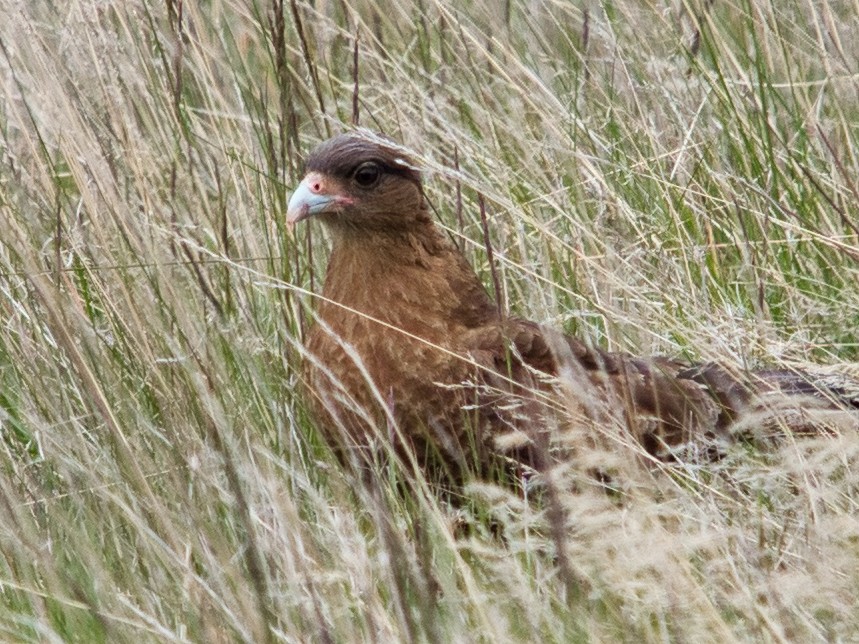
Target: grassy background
[661,177]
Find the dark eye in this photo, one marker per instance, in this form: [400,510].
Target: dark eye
[367,174]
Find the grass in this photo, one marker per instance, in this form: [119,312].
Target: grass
[675,178]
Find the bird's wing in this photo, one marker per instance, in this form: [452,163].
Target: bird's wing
[652,397]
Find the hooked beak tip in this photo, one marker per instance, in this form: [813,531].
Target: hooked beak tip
[309,199]
[296,213]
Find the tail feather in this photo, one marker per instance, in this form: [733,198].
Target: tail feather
[791,397]
[837,389]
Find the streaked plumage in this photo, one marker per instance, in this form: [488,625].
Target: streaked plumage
[408,345]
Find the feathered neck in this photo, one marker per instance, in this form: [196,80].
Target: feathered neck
[364,249]
[417,273]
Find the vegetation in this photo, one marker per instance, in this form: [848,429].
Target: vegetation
[660,177]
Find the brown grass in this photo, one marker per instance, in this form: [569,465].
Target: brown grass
[660,177]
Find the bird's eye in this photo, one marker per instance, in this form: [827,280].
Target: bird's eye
[367,174]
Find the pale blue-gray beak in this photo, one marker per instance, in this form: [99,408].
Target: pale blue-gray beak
[313,196]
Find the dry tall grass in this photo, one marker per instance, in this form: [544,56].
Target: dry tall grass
[662,177]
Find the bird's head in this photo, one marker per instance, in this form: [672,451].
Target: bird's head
[358,182]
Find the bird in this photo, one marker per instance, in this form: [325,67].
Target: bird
[408,350]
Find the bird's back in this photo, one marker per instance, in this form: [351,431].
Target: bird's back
[409,350]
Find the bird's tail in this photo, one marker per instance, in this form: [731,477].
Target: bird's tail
[799,400]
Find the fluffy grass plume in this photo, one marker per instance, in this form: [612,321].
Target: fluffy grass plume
[659,177]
